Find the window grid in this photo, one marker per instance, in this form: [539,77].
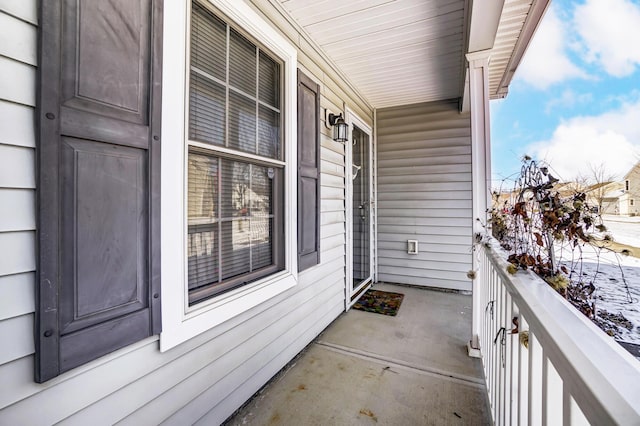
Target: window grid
[229,88]
[226,152]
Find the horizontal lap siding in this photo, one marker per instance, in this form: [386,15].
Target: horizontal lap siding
[18,49]
[207,377]
[17,185]
[424,194]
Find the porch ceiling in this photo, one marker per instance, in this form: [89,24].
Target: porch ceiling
[394,51]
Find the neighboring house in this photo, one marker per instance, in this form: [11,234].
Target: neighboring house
[628,202]
[605,196]
[177,220]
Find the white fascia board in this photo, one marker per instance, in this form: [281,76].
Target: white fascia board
[534,18]
[485,17]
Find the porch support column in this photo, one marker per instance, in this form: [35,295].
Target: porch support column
[481,173]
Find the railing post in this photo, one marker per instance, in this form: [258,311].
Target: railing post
[478,73]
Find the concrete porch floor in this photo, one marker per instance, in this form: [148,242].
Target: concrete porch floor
[367,368]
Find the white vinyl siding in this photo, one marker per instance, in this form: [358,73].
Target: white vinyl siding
[203,379]
[17,183]
[424,194]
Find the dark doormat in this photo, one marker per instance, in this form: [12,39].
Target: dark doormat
[380,302]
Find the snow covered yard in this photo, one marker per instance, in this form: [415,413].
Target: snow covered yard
[611,272]
[612,295]
[625,230]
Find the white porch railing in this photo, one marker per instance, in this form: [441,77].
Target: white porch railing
[570,374]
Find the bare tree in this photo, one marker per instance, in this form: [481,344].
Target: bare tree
[598,180]
[580,184]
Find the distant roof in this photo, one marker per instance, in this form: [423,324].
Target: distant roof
[636,166]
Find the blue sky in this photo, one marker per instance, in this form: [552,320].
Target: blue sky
[575,99]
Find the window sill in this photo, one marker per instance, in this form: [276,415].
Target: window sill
[211,313]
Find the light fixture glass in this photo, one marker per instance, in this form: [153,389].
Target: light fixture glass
[340,127]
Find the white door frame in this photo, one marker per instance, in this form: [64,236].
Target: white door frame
[353,119]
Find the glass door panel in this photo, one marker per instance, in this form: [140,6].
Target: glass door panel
[361,208]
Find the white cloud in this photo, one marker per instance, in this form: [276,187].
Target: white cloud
[610,33]
[568,99]
[545,61]
[611,139]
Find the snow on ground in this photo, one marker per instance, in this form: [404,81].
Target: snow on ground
[625,230]
[617,277]
[612,295]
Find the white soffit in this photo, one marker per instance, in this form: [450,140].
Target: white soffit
[518,23]
[395,52]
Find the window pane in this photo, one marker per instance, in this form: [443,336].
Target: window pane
[242,123]
[261,219]
[269,81]
[203,189]
[242,64]
[236,176]
[208,42]
[203,255]
[206,110]
[261,243]
[261,191]
[235,248]
[201,206]
[269,133]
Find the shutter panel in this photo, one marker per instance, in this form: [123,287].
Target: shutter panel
[99,179]
[308,172]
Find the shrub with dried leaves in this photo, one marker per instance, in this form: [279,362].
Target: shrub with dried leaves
[545,232]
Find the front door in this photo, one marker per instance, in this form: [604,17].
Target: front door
[360,213]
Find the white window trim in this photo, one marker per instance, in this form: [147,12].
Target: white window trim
[179,322]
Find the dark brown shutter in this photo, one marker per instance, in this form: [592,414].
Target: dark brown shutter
[308,172]
[98,285]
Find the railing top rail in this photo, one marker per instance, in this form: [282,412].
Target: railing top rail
[603,378]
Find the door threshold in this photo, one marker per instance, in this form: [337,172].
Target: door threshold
[355,296]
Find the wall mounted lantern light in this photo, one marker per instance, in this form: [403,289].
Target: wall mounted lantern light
[340,127]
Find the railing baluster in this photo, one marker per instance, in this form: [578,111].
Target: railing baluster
[495,343]
[552,384]
[514,357]
[566,406]
[523,367]
[545,389]
[507,358]
[489,345]
[535,380]
[577,416]
[501,349]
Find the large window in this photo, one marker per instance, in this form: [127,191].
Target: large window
[235,159]
[228,172]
